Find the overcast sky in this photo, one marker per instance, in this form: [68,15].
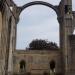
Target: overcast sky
[37,22]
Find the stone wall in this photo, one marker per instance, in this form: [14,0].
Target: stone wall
[37,62]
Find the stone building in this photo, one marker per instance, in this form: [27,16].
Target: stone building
[36,62]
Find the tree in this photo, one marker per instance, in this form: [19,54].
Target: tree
[42,45]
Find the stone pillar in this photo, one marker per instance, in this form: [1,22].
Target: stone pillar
[0,30]
[12,46]
[2,55]
[0,43]
[66,29]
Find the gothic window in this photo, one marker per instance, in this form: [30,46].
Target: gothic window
[52,65]
[22,66]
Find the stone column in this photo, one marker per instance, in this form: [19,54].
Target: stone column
[12,45]
[2,72]
[67,26]
[0,43]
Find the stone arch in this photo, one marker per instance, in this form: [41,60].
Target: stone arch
[55,8]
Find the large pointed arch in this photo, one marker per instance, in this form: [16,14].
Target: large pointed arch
[50,6]
[55,8]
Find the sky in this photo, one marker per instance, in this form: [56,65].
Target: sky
[37,22]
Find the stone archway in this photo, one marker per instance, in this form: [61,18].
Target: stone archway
[48,5]
[55,8]
[21,8]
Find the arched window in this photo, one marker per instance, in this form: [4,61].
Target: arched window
[22,66]
[52,65]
